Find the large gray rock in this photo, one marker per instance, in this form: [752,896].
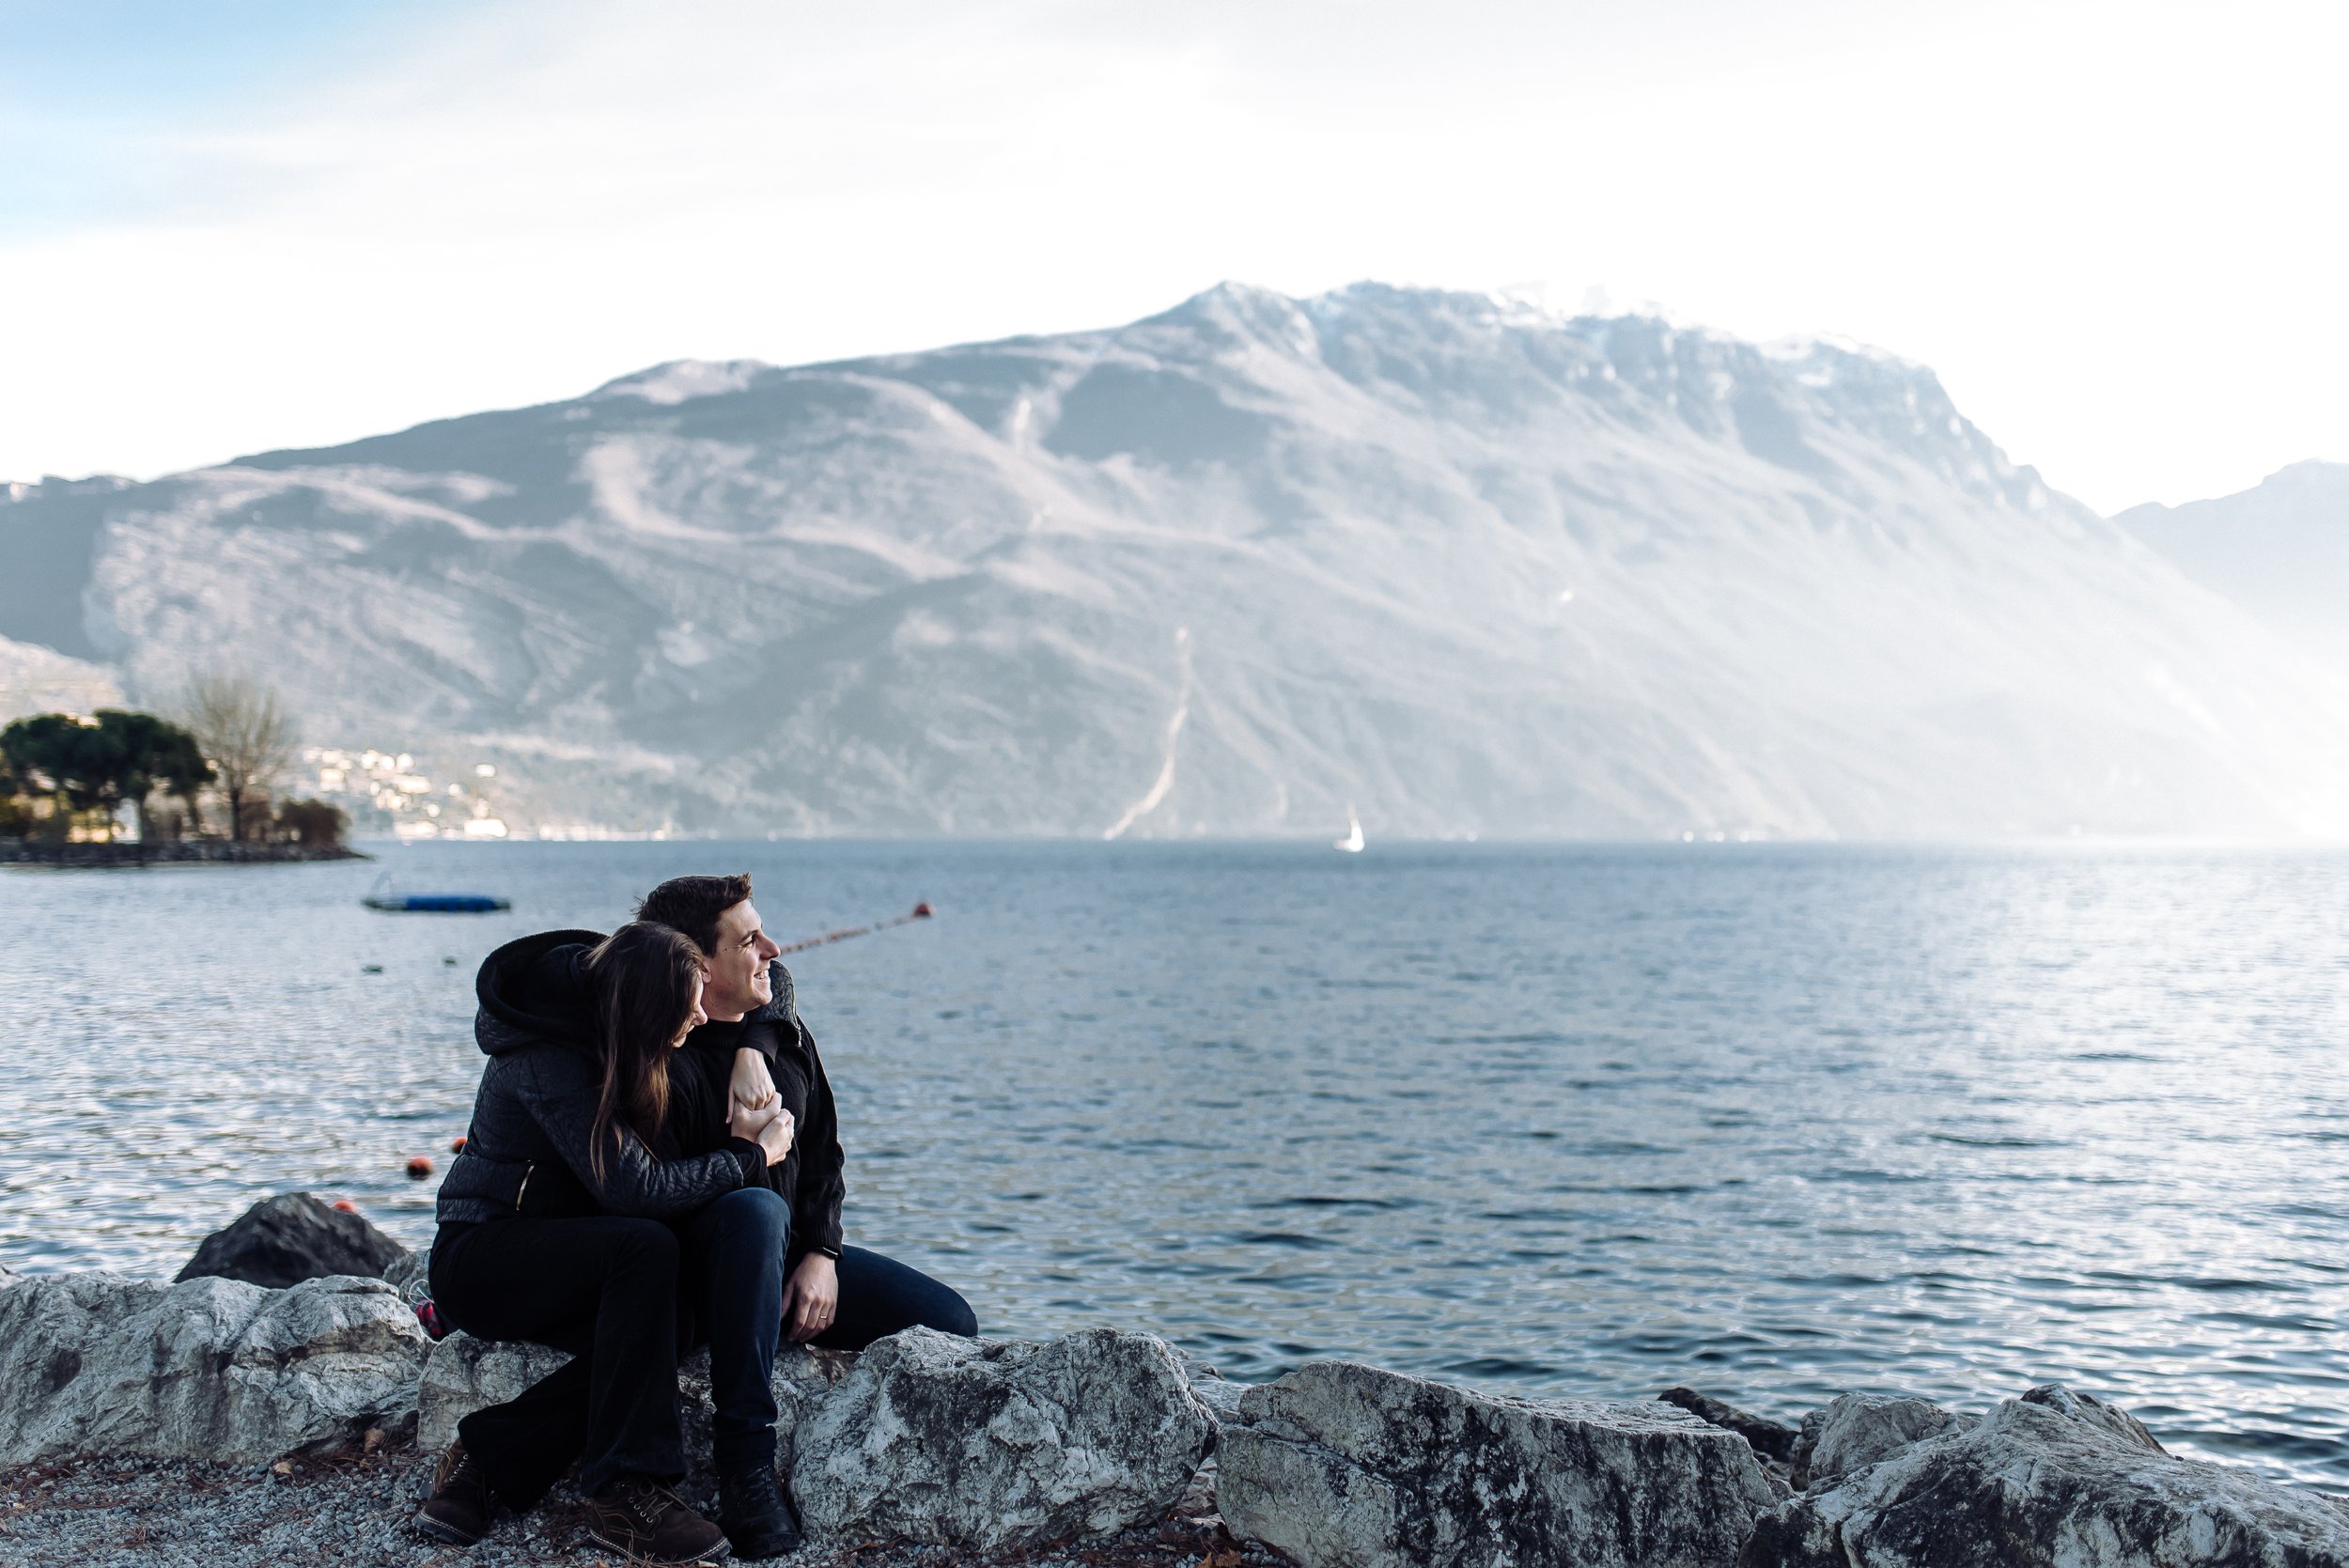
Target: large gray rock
[2052,1480]
[1342,1465]
[294,1236]
[465,1374]
[991,1445]
[208,1369]
[1858,1430]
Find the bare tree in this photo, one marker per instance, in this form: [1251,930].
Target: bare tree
[246,735]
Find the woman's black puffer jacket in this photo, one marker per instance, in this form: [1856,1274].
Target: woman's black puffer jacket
[526,1151]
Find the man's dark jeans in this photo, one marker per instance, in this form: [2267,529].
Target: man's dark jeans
[735,1257]
[603,1289]
[731,1255]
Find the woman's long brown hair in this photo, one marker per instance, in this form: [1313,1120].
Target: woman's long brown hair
[642,979]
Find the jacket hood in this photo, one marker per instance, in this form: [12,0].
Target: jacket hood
[531,990]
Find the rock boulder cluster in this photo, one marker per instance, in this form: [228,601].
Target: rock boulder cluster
[204,1369]
[994,1446]
[2052,1480]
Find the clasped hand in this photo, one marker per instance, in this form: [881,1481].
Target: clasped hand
[768,1125]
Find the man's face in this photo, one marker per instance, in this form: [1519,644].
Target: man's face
[738,967]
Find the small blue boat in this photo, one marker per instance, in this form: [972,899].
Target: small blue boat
[383,897]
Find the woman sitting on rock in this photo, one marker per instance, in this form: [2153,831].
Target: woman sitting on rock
[557,1226]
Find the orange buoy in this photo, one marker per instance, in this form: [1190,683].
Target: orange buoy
[419,1168]
[346,1205]
[457,1146]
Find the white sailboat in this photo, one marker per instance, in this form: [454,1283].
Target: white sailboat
[1352,842]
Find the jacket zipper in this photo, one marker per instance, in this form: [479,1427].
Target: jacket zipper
[525,1187]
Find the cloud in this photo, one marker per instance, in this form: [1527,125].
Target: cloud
[2058,207]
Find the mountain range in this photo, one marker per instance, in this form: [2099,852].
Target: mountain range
[1457,565]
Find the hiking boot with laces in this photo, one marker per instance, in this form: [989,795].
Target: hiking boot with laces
[647,1522]
[461,1505]
[756,1518]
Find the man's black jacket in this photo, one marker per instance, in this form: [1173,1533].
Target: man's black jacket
[809,1177]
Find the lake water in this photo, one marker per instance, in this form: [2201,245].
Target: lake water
[1776,1122]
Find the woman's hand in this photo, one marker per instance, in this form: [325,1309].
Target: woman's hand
[751,1086]
[811,1299]
[775,1136]
[769,1127]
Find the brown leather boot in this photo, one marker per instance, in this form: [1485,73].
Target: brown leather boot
[644,1521]
[459,1508]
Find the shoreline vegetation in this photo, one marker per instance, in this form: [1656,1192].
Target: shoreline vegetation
[139,853]
[67,780]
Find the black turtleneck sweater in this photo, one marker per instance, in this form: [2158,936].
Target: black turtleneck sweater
[810,1176]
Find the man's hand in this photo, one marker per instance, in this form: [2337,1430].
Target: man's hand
[811,1299]
[752,1087]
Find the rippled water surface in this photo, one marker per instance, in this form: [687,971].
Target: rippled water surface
[1775,1121]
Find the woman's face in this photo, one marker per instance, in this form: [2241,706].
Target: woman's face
[694,1018]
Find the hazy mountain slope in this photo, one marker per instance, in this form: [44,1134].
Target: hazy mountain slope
[2281,551]
[37,679]
[1225,570]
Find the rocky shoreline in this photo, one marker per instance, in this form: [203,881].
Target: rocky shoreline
[185,851]
[213,1421]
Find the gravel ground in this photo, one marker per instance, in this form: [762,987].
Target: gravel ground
[352,1509]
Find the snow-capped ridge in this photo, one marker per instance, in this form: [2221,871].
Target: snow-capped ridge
[681,380]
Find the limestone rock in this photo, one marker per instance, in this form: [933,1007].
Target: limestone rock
[465,1374]
[1342,1466]
[1219,1393]
[1857,1430]
[2047,1483]
[1766,1437]
[294,1236]
[1806,1439]
[206,1368]
[411,1274]
[2094,1411]
[990,1445]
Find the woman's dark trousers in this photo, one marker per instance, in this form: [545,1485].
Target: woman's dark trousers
[603,1289]
[736,1257]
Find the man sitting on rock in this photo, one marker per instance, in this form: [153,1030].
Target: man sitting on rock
[751,1275]
[758,1263]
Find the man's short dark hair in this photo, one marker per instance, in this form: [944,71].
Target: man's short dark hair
[692,904]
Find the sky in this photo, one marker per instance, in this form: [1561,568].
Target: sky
[2113,230]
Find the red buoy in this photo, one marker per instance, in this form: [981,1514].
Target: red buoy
[346,1205]
[457,1146]
[419,1168]
[922,911]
